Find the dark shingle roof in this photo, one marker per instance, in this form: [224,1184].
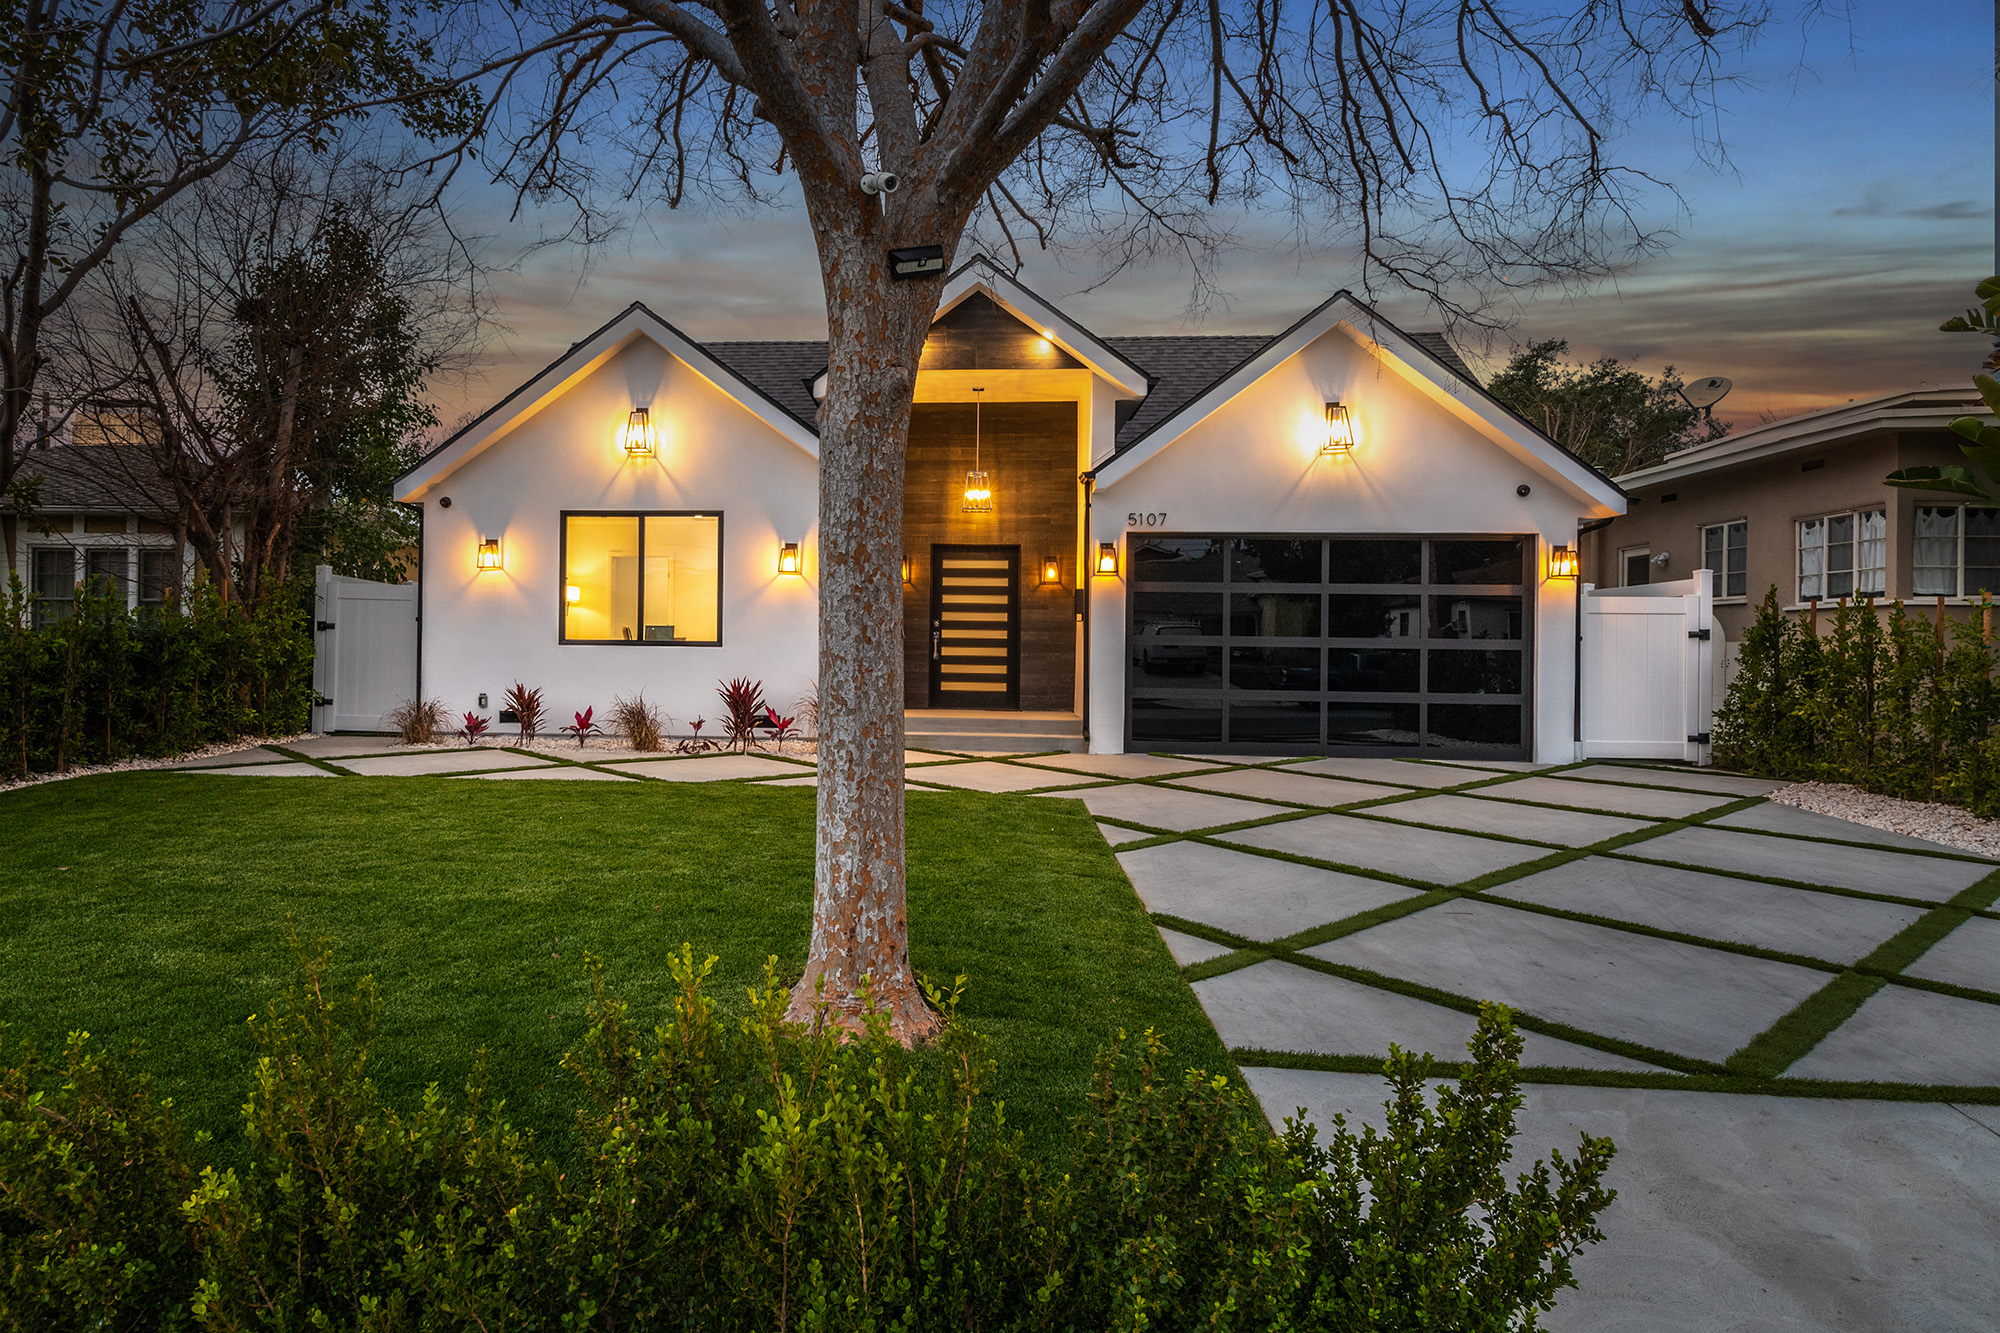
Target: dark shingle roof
[1440,347]
[104,478]
[784,371]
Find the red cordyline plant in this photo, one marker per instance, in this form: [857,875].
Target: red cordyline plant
[475,727]
[743,704]
[584,728]
[781,727]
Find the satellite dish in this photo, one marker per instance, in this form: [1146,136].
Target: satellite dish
[1705,394]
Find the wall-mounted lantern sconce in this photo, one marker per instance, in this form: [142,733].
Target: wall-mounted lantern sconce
[907,580]
[489,554]
[1051,571]
[572,595]
[1107,557]
[789,559]
[1339,440]
[638,438]
[1562,562]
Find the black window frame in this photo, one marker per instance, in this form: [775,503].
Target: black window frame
[1222,695]
[563,516]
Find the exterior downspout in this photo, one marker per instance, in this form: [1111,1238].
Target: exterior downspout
[1086,571]
[423,521]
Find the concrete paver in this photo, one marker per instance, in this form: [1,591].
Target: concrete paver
[1190,949]
[1124,765]
[992,777]
[1165,808]
[716,768]
[1931,878]
[295,769]
[421,763]
[1498,765]
[1397,772]
[1687,779]
[1270,784]
[1774,818]
[1258,897]
[1645,802]
[1565,828]
[1969,956]
[1750,1214]
[1742,911]
[1423,854]
[551,773]
[1903,1035]
[1675,997]
[1276,1006]
[337,747]
[236,759]
[1118,837]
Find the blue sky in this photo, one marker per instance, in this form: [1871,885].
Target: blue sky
[1854,214]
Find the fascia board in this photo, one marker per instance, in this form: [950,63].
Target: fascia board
[1805,435]
[568,370]
[1376,335]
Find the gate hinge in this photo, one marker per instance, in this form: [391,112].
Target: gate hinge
[1701,634]
[321,701]
[1699,738]
[322,626]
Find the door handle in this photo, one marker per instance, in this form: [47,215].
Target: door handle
[937,641]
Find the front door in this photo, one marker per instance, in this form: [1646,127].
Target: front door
[975,627]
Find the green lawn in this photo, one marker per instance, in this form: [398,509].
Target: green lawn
[152,907]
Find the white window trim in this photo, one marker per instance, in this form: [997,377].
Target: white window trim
[1958,595]
[1798,552]
[1625,554]
[1701,540]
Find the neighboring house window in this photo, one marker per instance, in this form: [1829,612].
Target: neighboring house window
[158,577]
[55,584]
[108,568]
[1843,555]
[1725,549]
[642,578]
[1956,552]
[1637,562]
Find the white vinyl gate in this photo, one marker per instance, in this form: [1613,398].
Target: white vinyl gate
[365,650]
[1647,671]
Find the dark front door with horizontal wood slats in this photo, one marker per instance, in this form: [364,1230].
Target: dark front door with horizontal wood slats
[975,627]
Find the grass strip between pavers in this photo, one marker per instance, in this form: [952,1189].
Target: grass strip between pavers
[1965,1094]
[1787,1041]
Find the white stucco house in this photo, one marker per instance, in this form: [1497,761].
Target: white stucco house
[1326,540]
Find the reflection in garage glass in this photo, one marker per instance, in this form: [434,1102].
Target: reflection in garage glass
[1274,560]
[1367,616]
[1274,668]
[1375,561]
[1275,615]
[1177,560]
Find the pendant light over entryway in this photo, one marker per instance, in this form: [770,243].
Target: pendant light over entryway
[978,486]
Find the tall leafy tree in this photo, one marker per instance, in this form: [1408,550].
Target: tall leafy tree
[1459,146]
[112,109]
[1613,416]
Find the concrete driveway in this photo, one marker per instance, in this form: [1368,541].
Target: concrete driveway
[1789,1024]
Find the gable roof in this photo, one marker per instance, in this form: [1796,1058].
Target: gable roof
[101,478]
[1905,409]
[584,356]
[1448,382]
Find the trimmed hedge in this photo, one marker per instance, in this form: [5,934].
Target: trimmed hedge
[749,1174]
[1886,698]
[107,683]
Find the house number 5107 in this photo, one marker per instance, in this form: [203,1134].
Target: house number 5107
[1138,520]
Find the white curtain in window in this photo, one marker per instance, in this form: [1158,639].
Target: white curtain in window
[1812,558]
[1871,564]
[1934,560]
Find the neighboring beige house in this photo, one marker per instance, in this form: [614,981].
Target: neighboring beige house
[1800,505]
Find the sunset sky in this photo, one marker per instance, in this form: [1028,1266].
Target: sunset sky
[1855,213]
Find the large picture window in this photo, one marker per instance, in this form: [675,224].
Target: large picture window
[642,578]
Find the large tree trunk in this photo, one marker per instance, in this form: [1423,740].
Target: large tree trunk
[876,336]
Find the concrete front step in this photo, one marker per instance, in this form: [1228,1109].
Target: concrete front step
[946,721]
[996,742]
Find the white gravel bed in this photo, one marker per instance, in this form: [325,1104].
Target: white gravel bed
[1916,819]
[171,761]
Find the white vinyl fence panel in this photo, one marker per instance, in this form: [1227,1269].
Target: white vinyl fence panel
[365,650]
[1648,671]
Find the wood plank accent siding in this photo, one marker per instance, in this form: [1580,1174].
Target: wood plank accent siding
[1030,450]
[978,334]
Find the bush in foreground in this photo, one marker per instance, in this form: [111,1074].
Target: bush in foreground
[748,1174]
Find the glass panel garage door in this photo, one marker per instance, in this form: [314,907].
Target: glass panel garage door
[1337,645]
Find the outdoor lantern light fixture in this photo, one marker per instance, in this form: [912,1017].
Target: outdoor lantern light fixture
[1107,557]
[978,486]
[906,571]
[572,595]
[638,438]
[489,554]
[1562,562]
[1339,440]
[789,560]
[1051,571]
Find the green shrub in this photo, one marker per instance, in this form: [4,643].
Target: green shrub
[1883,698]
[747,1174]
[106,683]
